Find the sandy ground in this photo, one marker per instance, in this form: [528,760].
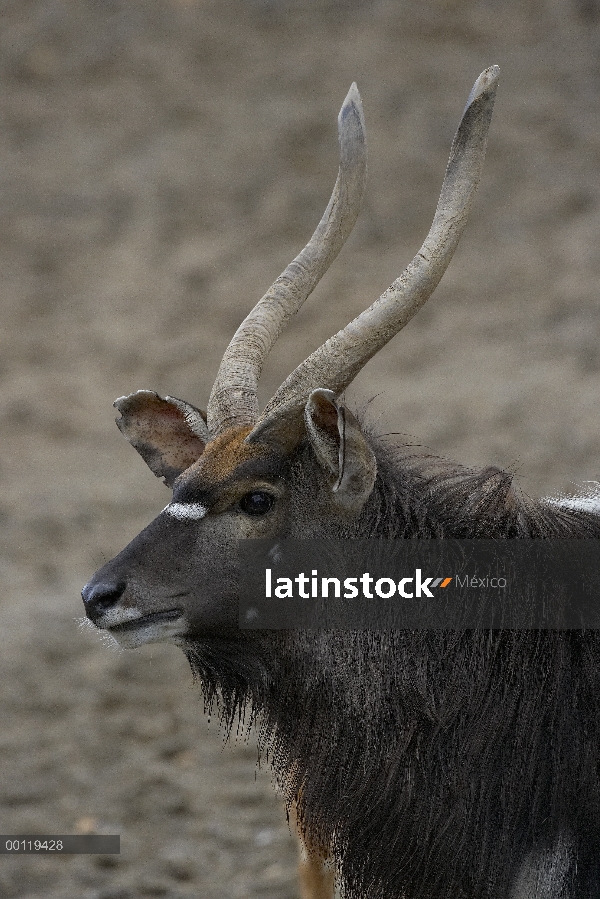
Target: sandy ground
[161,162]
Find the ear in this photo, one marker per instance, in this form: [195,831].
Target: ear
[169,434]
[341,448]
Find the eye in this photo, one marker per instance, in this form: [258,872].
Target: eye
[257,503]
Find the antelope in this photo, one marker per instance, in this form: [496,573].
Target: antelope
[423,763]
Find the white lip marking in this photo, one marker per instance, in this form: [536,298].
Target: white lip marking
[112,617]
[155,632]
[186,511]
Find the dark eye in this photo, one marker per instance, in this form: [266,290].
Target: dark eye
[257,503]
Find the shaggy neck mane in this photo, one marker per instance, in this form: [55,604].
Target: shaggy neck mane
[420,495]
[399,747]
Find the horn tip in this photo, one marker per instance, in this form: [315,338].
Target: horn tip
[351,109]
[352,132]
[353,95]
[486,83]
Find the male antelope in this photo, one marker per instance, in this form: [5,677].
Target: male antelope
[428,763]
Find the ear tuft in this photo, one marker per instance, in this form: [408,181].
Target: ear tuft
[169,434]
[342,450]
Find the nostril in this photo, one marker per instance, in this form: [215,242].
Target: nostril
[97,598]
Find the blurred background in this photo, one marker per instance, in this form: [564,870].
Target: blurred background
[161,162]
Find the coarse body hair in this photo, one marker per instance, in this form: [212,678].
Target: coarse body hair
[432,761]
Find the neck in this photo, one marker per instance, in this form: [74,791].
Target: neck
[420,496]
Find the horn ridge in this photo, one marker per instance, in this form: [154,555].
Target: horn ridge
[234,399]
[335,364]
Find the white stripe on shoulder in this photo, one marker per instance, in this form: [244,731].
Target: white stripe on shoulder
[587,499]
[186,511]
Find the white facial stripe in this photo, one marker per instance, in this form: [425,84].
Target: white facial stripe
[186,511]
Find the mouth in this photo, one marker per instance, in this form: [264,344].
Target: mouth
[144,620]
[152,628]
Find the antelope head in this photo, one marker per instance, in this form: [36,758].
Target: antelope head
[302,467]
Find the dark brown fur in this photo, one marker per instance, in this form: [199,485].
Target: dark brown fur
[433,764]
